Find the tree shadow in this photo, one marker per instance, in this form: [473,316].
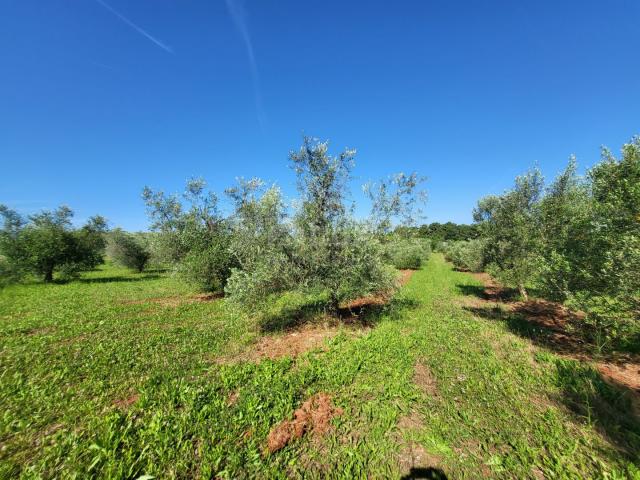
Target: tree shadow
[290,317]
[545,324]
[425,473]
[156,270]
[143,277]
[365,312]
[492,293]
[609,405]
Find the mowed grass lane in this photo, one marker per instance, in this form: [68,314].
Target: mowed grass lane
[118,375]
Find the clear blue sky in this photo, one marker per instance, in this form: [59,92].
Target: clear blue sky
[101,97]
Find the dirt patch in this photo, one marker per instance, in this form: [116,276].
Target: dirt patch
[358,304]
[356,307]
[291,344]
[493,291]
[424,379]
[627,374]
[232,399]
[405,276]
[412,454]
[313,417]
[125,403]
[177,300]
[410,422]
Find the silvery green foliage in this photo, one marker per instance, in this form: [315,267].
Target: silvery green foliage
[262,245]
[465,254]
[577,241]
[510,226]
[193,235]
[396,199]
[321,250]
[335,253]
[406,252]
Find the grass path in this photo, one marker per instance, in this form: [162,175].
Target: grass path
[100,378]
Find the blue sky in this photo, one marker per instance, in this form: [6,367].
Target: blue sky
[101,97]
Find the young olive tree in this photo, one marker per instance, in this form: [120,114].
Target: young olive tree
[565,222]
[261,243]
[509,224]
[193,235]
[127,250]
[46,243]
[396,199]
[335,253]
[612,277]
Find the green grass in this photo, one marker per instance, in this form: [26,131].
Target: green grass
[70,354]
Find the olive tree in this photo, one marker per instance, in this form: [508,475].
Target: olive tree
[127,250]
[396,199]
[510,226]
[320,249]
[192,234]
[612,275]
[565,218]
[337,254]
[46,243]
[261,244]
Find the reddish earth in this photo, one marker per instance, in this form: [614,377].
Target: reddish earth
[357,306]
[309,337]
[126,402]
[558,322]
[291,344]
[313,417]
[423,378]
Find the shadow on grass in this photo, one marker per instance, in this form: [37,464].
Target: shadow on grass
[491,293]
[141,278]
[364,315]
[425,473]
[542,323]
[156,270]
[606,404]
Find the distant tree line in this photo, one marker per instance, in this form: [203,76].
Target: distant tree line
[576,240]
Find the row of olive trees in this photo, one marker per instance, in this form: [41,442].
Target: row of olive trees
[576,240]
[264,248]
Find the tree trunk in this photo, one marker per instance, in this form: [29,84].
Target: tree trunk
[48,275]
[334,305]
[523,292]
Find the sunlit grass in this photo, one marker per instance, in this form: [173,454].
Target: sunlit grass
[116,376]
